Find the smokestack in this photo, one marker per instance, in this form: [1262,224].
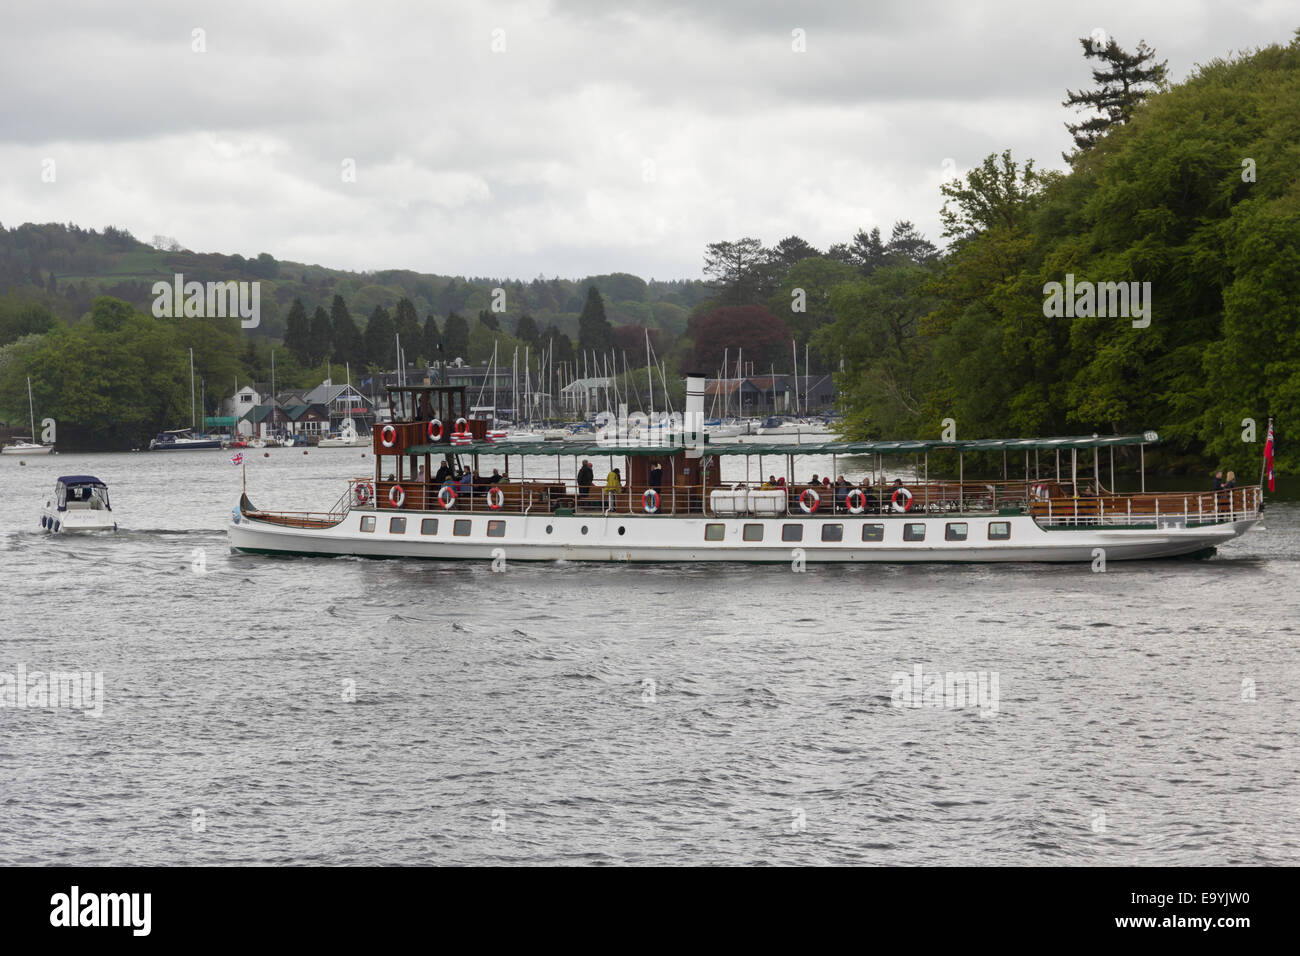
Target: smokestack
[693,420]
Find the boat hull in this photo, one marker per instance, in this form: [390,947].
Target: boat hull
[644,538]
[26,450]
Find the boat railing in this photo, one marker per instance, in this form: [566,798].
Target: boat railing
[1161,509]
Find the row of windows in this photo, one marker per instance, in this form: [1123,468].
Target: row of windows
[429,526]
[912,531]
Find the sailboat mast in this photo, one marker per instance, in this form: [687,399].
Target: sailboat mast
[794,352]
[191,388]
[31,408]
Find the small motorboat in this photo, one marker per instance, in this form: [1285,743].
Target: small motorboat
[78,503]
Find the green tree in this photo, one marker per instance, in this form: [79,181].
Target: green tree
[594,331]
[432,343]
[321,346]
[526,330]
[346,337]
[408,327]
[381,345]
[455,338]
[297,332]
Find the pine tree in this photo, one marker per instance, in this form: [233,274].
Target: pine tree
[297,333]
[321,335]
[408,326]
[526,330]
[347,337]
[455,338]
[381,348]
[489,320]
[1124,81]
[594,331]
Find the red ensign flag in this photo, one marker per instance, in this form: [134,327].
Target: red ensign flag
[1268,456]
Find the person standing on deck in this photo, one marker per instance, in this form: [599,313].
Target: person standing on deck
[656,475]
[585,479]
[1218,481]
[614,481]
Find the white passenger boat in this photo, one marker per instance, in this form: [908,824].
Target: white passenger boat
[682,512]
[78,503]
[24,446]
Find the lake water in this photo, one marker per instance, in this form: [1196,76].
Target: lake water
[260,710]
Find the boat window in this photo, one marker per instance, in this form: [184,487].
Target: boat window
[429,526]
[873,532]
[792,532]
[753,532]
[914,531]
[368,523]
[999,530]
[461,527]
[714,532]
[496,529]
[397,526]
[956,531]
[832,532]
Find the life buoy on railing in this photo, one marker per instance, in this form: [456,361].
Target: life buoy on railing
[1039,492]
[388,436]
[803,500]
[462,427]
[435,430]
[855,494]
[905,495]
[365,491]
[396,496]
[650,501]
[447,497]
[496,498]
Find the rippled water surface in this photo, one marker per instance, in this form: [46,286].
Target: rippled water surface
[575,713]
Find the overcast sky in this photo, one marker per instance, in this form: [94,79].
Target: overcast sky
[596,137]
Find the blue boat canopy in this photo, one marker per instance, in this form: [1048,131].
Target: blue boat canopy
[81,480]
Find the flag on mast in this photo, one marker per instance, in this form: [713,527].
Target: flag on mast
[238,458]
[1268,455]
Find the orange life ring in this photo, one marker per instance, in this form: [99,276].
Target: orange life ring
[816,500]
[447,497]
[365,491]
[396,496]
[496,498]
[388,436]
[907,500]
[862,501]
[650,501]
[435,436]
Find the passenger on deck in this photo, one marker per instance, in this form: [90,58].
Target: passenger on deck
[841,493]
[656,475]
[614,481]
[780,482]
[419,475]
[442,473]
[496,477]
[465,485]
[769,484]
[585,479]
[1218,481]
[815,480]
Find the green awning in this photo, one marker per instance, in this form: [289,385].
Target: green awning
[759,447]
[220,421]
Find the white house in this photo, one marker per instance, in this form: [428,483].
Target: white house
[239,405]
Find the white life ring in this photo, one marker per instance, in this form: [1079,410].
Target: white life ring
[905,495]
[447,497]
[496,498]
[650,501]
[803,502]
[435,435]
[388,436]
[462,427]
[396,496]
[1040,492]
[365,491]
[855,509]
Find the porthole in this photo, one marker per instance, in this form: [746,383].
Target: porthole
[549,529]
[584,529]
[622,530]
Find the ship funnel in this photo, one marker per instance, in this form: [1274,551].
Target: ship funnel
[693,421]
